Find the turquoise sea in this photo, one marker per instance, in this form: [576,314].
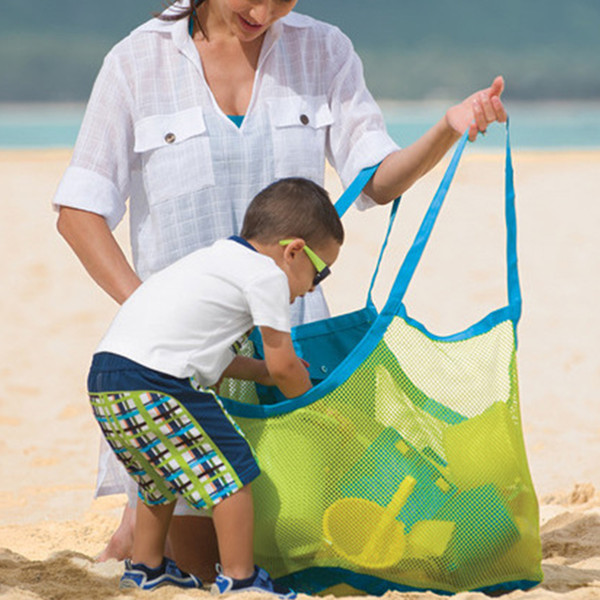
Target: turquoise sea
[533,126]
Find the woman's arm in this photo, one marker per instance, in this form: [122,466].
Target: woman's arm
[401,169]
[94,244]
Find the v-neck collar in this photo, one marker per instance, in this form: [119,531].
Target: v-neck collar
[179,31]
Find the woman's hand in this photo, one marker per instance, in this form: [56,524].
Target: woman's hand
[400,169]
[478,110]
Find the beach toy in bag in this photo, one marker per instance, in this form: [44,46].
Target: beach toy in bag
[288,524]
[484,529]
[404,467]
[376,539]
[368,491]
[495,507]
[484,450]
[382,469]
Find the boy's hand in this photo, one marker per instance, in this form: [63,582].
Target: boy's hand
[262,375]
[251,369]
[290,372]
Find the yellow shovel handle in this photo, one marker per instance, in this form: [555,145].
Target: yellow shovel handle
[389,514]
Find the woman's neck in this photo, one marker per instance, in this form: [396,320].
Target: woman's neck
[229,64]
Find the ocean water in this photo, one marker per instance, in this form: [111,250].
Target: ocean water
[533,126]
[39,126]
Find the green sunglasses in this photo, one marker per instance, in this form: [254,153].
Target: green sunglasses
[319,264]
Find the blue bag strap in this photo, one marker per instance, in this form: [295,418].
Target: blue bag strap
[512,266]
[352,192]
[416,250]
[393,213]
[348,198]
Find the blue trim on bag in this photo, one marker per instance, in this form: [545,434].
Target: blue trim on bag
[315,580]
[486,324]
[344,370]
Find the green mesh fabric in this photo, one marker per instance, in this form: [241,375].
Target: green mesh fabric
[412,471]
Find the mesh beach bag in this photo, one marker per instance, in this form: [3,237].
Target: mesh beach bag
[404,468]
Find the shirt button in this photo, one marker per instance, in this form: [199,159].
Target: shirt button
[304,119]
[170,138]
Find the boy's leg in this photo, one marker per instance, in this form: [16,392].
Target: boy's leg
[234,523]
[148,568]
[150,533]
[192,544]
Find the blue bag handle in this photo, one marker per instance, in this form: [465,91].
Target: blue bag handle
[416,251]
[348,198]
[392,217]
[512,266]
[353,191]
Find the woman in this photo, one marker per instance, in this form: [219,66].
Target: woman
[195,112]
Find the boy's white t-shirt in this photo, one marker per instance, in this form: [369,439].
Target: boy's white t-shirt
[184,320]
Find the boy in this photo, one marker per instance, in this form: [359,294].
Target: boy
[171,340]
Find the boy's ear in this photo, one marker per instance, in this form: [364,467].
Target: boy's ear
[291,249]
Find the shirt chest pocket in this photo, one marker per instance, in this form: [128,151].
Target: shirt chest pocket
[299,131]
[175,154]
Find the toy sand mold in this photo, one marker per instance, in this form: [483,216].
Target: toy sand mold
[404,467]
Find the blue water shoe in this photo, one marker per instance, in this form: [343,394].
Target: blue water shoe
[141,577]
[259,581]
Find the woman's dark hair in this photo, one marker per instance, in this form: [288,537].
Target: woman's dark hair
[292,207]
[182,12]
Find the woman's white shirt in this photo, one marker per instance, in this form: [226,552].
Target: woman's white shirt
[154,133]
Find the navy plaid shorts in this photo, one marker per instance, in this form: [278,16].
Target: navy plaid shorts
[172,438]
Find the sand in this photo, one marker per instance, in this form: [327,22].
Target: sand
[52,316]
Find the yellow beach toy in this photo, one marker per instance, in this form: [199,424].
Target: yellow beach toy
[365,533]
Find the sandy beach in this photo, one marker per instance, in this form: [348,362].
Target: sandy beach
[52,316]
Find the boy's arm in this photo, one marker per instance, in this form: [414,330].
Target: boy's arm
[251,369]
[287,370]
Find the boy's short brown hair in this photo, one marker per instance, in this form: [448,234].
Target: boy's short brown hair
[292,207]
